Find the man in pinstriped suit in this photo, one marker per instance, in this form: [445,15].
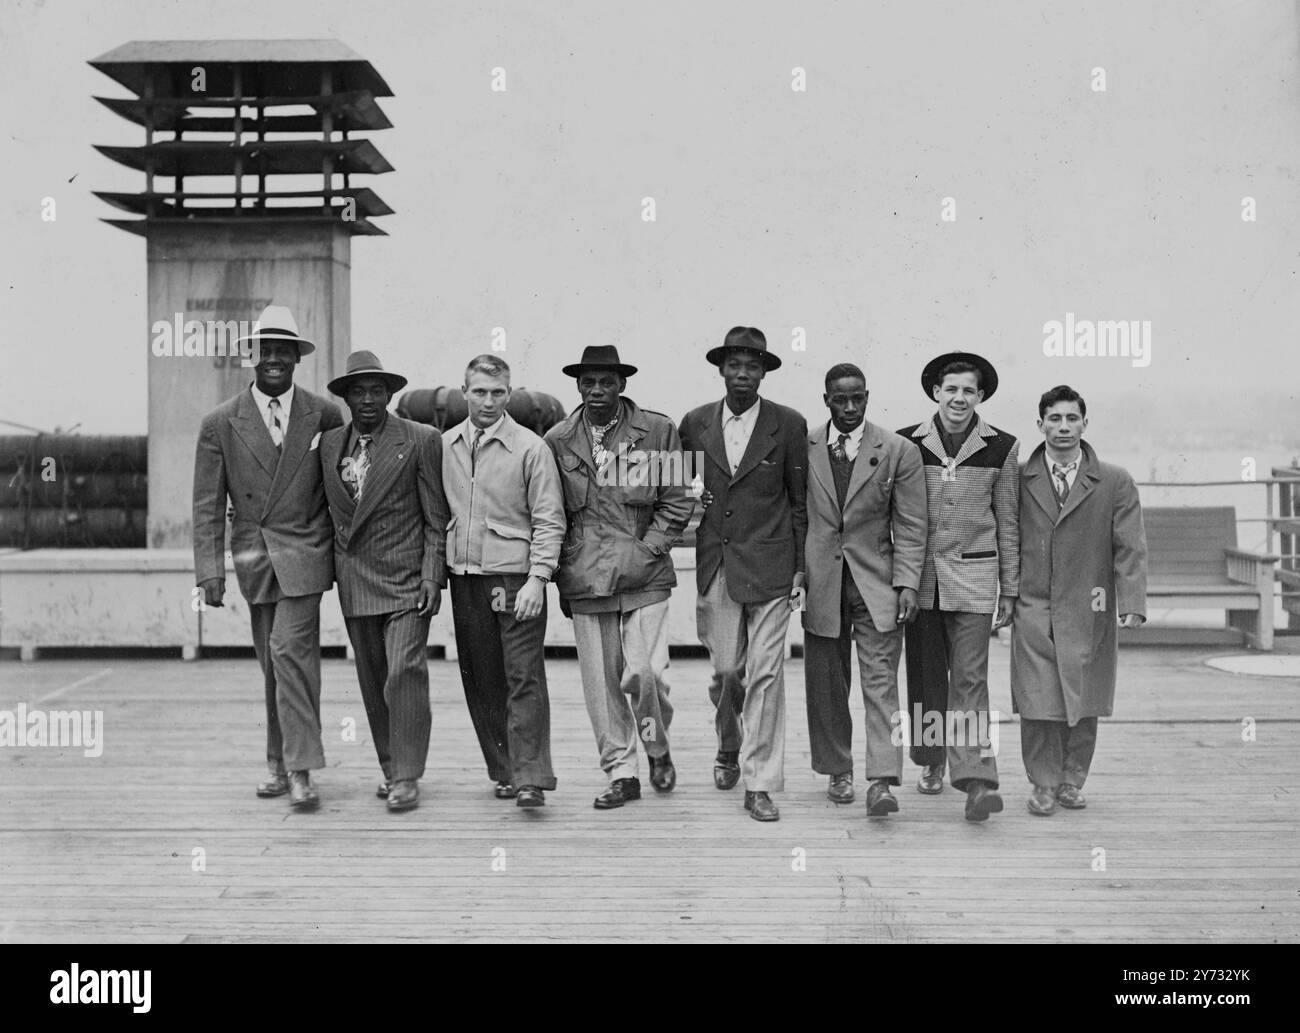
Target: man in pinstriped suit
[383,480]
[971,575]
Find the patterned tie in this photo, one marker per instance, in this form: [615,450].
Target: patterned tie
[600,455]
[276,428]
[840,449]
[360,465]
[473,449]
[1059,474]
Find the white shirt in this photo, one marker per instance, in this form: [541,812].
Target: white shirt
[263,402]
[737,430]
[488,432]
[855,438]
[1070,474]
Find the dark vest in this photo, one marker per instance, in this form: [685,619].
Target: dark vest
[841,469]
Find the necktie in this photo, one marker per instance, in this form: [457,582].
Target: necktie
[840,448]
[1059,475]
[600,455]
[276,428]
[360,465]
[473,451]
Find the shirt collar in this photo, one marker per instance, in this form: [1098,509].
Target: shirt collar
[747,418]
[263,400]
[1077,460]
[855,435]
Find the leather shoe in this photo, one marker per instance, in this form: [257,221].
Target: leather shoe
[931,780]
[663,776]
[383,789]
[726,769]
[530,796]
[403,794]
[761,807]
[880,801]
[981,801]
[840,788]
[276,784]
[1042,801]
[505,791]
[1070,797]
[302,797]
[620,791]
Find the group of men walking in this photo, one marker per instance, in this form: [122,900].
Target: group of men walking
[920,541]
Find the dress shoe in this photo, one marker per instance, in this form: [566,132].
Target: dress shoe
[1069,797]
[620,791]
[302,797]
[403,794]
[840,788]
[505,791]
[761,807]
[663,776]
[276,784]
[1042,801]
[880,801]
[383,789]
[726,769]
[931,780]
[981,801]
[530,796]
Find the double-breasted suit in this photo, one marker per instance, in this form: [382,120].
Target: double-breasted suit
[280,538]
[866,539]
[749,546]
[385,544]
[1082,565]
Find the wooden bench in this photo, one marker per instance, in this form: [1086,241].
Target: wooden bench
[1193,563]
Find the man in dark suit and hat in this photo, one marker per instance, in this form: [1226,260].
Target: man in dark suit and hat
[971,575]
[626,503]
[254,450]
[383,480]
[749,562]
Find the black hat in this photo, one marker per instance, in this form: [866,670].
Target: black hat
[365,364]
[930,375]
[747,338]
[599,356]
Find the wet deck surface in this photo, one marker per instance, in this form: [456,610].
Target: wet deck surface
[1200,830]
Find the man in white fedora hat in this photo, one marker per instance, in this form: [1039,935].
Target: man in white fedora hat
[254,450]
[383,481]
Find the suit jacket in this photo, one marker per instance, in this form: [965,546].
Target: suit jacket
[280,535]
[1081,566]
[512,501]
[756,526]
[396,536]
[973,550]
[880,533]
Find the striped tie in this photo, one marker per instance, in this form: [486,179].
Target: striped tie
[1060,476]
[276,427]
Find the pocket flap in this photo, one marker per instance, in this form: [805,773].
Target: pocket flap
[506,531]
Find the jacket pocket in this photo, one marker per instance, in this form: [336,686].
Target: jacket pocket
[573,476]
[985,555]
[505,548]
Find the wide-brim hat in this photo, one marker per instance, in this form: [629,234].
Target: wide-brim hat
[930,375]
[744,338]
[276,323]
[365,364]
[599,356]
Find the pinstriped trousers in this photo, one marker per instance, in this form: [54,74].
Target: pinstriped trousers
[393,671]
[286,639]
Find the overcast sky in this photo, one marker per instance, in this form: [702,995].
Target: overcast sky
[776,208]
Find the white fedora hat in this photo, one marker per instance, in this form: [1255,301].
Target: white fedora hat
[276,323]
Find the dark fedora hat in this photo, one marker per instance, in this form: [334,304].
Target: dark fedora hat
[744,338]
[599,356]
[365,364]
[931,374]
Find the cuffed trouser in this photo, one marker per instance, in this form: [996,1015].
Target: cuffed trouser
[1056,752]
[286,639]
[623,659]
[746,644]
[952,675]
[393,671]
[828,674]
[502,668]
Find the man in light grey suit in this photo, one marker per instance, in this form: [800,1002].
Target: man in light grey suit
[865,547]
[255,450]
[383,480]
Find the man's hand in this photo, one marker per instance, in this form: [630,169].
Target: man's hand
[799,592]
[1131,620]
[1006,612]
[906,606]
[529,599]
[214,589]
[430,601]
